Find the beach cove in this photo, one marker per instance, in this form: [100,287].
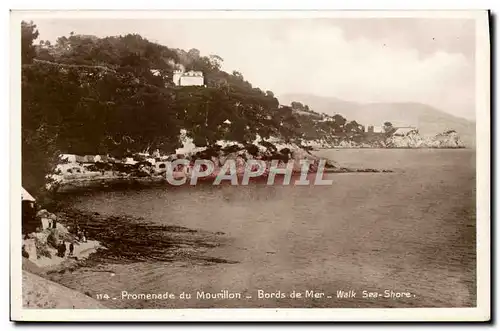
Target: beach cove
[243,238]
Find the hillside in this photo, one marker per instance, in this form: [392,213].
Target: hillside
[429,120]
[116,96]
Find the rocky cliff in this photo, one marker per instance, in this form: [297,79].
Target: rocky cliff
[153,171]
[411,139]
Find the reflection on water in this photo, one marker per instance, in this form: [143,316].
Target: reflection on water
[411,230]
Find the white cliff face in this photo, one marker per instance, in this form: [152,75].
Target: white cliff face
[188,147]
[447,139]
[411,139]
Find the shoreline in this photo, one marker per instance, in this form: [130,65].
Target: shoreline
[423,147]
[125,239]
[113,240]
[106,182]
[179,248]
[102,180]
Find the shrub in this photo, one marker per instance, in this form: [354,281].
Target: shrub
[52,239]
[41,249]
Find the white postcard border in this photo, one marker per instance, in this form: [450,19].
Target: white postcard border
[479,313]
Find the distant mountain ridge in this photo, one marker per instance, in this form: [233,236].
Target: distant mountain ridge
[429,120]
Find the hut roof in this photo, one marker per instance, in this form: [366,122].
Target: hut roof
[25,196]
[104,158]
[79,158]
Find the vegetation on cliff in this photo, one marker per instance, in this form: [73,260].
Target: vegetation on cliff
[114,95]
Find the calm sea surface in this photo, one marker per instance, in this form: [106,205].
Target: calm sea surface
[412,230]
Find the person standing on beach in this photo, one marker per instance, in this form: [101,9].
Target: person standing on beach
[78,232]
[71,249]
[25,253]
[62,249]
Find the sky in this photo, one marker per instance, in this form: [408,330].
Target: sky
[426,60]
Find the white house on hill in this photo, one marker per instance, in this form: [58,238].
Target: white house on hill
[374,129]
[189,78]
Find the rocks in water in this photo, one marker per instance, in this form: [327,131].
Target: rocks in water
[367,170]
[128,239]
[272,151]
[448,139]
[413,139]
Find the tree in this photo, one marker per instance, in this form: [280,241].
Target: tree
[237,74]
[339,120]
[98,96]
[353,127]
[388,126]
[216,62]
[193,54]
[297,105]
[29,33]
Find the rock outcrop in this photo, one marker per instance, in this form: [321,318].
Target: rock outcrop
[154,171]
[411,139]
[41,293]
[40,248]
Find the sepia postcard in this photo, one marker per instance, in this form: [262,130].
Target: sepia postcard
[250,166]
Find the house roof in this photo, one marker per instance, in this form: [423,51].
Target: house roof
[155,72]
[67,156]
[79,158]
[25,196]
[192,73]
[104,158]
